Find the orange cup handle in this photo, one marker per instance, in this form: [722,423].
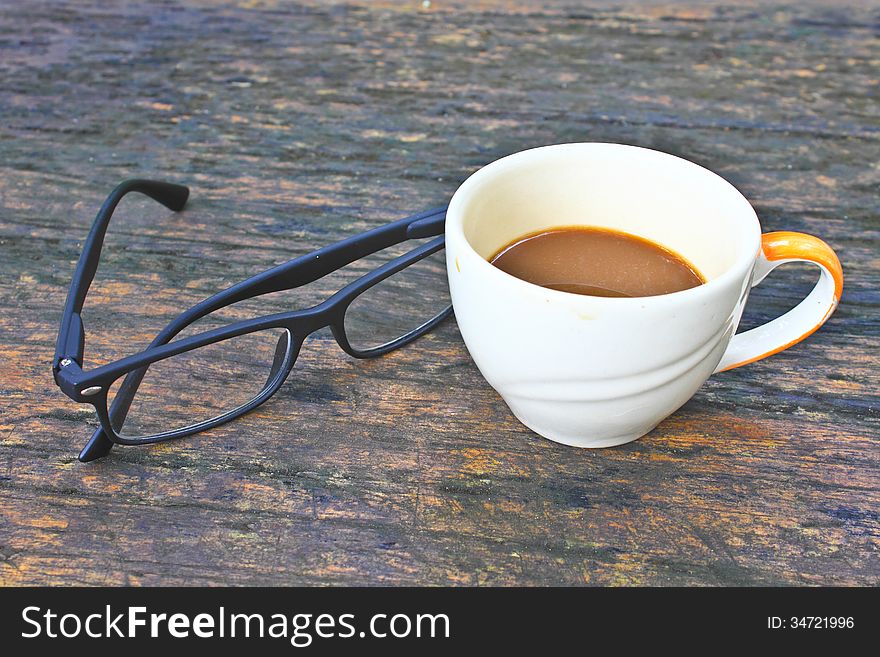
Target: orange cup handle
[804,319]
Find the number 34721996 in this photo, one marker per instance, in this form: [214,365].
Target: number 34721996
[810,622]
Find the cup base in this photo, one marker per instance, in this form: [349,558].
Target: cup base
[585,442]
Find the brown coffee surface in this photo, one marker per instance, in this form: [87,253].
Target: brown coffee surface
[598,262]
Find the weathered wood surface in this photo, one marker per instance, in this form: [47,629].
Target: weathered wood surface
[297,124]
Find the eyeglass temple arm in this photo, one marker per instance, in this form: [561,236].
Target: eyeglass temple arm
[312,266]
[71,336]
[292,274]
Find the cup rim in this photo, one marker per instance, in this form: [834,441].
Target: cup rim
[455,229]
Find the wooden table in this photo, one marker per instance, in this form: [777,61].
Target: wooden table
[298,124]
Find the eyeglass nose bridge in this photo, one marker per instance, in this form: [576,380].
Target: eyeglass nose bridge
[328,314]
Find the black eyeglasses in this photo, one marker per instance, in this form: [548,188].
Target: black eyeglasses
[199,382]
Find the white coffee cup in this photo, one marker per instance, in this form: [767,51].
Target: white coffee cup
[594,371]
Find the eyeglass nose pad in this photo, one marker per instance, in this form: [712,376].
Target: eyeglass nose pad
[99,445]
[281,351]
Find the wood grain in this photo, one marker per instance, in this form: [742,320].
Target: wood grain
[297,124]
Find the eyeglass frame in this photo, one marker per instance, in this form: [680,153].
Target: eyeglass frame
[92,386]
